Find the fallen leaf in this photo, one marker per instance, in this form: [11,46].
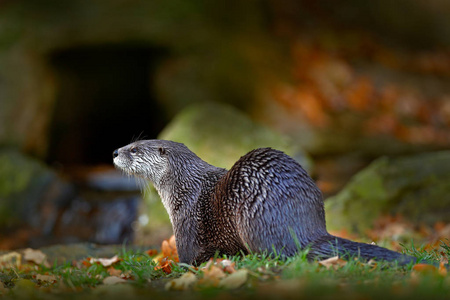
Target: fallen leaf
[228,266]
[235,280]
[11,259]
[151,252]
[372,263]
[36,256]
[114,272]
[46,278]
[212,275]
[85,263]
[172,242]
[424,268]
[165,264]
[127,275]
[111,280]
[183,283]
[106,262]
[333,262]
[169,249]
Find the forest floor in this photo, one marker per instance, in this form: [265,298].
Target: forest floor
[30,274]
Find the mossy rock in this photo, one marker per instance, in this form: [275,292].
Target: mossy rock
[23,181]
[221,134]
[415,187]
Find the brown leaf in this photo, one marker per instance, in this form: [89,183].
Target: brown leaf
[114,272]
[86,263]
[442,269]
[424,268]
[212,275]
[151,252]
[169,249]
[228,266]
[127,275]
[225,264]
[333,262]
[183,283]
[172,242]
[36,256]
[106,262]
[165,264]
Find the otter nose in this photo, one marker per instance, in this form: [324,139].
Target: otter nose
[116,153]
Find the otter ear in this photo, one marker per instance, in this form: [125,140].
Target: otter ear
[162,150]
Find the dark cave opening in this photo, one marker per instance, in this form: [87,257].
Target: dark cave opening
[105,99]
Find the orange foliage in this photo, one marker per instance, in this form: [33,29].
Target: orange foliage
[328,88]
[168,256]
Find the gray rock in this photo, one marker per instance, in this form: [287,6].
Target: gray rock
[415,187]
[101,209]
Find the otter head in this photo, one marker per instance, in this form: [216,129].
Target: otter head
[154,160]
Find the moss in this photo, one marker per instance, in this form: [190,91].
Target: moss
[359,204]
[415,187]
[14,179]
[22,181]
[221,134]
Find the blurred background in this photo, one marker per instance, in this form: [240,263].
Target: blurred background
[357,92]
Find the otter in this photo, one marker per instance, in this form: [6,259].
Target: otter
[265,202]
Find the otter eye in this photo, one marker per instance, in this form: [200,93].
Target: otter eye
[162,150]
[133,150]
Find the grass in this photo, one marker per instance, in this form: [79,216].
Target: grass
[268,278]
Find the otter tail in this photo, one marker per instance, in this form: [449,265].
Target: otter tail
[329,246]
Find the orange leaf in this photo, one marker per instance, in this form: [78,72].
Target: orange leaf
[227,265]
[442,269]
[165,264]
[151,252]
[172,242]
[169,249]
[86,263]
[424,268]
[114,272]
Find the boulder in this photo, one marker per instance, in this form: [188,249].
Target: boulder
[221,134]
[415,187]
[23,183]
